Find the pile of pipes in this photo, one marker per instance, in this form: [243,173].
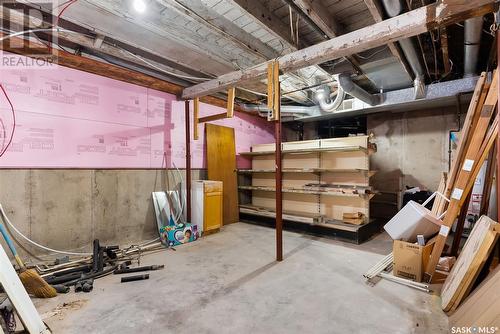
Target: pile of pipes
[105,260]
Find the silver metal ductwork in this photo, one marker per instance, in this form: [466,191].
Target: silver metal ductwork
[395,8]
[290,111]
[472,39]
[437,95]
[354,90]
[323,96]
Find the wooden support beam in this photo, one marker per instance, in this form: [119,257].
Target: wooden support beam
[231,93]
[444,49]
[406,25]
[497,39]
[376,12]
[271,22]
[212,118]
[229,109]
[88,65]
[321,17]
[219,25]
[196,114]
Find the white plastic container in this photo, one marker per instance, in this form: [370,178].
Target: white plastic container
[413,219]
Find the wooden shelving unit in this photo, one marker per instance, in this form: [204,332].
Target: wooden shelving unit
[322,180]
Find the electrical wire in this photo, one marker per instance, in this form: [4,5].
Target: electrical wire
[62,11]
[20,33]
[373,54]
[6,220]
[4,149]
[165,71]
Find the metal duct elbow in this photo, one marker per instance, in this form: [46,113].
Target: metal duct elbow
[472,41]
[323,96]
[354,90]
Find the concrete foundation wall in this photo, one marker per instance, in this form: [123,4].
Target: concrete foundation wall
[412,143]
[67,209]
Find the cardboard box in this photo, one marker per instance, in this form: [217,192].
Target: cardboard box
[410,259]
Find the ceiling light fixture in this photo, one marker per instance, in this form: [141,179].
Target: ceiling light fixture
[139,6]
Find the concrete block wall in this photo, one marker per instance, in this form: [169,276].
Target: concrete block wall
[67,209]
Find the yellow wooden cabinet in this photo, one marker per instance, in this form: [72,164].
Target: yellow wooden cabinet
[206,205]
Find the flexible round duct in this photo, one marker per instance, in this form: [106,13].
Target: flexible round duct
[324,97]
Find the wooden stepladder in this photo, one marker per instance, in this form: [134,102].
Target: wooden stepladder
[19,297]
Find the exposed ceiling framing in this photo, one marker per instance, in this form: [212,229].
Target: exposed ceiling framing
[197,43]
[409,24]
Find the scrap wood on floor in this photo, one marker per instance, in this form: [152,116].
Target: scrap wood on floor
[482,307]
[470,262]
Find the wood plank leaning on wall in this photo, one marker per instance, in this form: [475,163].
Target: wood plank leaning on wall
[221,164]
[481,139]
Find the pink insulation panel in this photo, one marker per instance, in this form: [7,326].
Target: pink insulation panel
[67,118]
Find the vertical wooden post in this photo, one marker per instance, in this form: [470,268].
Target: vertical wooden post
[460,226]
[498,139]
[279,194]
[188,162]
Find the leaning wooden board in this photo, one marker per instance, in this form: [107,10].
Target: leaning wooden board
[475,155]
[482,308]
[221,163]
[470,262]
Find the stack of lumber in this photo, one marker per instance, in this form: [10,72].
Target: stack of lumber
[477,139]
[439,202]
[482,308]
[357,218]
[474,255]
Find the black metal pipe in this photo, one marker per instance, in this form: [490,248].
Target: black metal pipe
[84,268]
[134,278]
[138,269]
[95,256]
[92,275]
[53,280]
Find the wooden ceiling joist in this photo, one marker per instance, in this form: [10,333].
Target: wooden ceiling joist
[70,60]
[406,25]
[376,12]
[320,16]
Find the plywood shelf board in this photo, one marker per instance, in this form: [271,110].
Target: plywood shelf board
[307,151]
[340,163]
[287,214]
[309,170]
[305,191]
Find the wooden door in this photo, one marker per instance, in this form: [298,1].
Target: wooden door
[221,164]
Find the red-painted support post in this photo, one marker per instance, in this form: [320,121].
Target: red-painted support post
[188,162]
[279,193]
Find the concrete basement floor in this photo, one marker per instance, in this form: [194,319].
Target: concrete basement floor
[229,283]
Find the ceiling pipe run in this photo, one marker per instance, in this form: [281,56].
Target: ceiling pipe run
[394,8]
[472,41]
